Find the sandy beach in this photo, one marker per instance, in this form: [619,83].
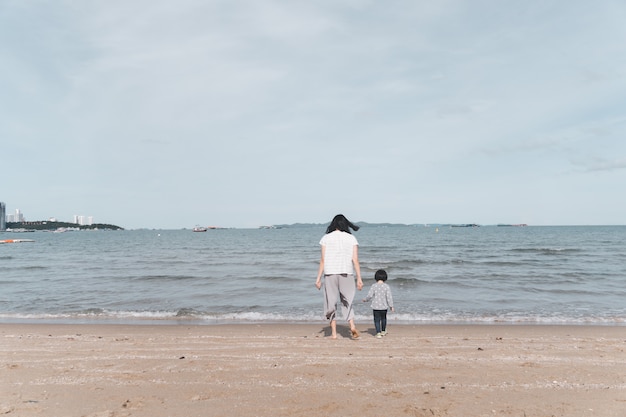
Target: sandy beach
[296,370]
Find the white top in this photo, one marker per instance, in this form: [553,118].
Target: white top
[338,253]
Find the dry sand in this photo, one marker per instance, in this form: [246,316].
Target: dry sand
[296,370]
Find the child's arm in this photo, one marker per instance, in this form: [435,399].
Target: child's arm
[390,300]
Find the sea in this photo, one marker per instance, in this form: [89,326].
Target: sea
[438,275]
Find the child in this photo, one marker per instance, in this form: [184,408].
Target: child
[380,294]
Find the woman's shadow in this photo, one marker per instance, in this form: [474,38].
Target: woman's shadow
[344,332]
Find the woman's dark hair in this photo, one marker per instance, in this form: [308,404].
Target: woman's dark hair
[381,275]
[341,223]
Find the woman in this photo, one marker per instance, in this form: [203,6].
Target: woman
[339,262]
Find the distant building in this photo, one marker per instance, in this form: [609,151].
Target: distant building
[18,217]
[83,220]
[3,216]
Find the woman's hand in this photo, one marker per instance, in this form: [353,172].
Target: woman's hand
[318,284]
[359,284]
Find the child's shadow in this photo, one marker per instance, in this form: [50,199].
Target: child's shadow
[371,331]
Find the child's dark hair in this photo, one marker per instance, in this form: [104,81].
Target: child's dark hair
[381,275]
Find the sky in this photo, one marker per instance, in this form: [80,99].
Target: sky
[244,113]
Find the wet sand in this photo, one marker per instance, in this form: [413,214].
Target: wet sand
[297,370]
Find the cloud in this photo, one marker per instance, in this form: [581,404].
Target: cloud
[597,164]
[275,105]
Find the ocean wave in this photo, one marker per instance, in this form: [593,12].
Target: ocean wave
[411,264]
[24,268]
[198,318]
[167,277]
[547,251]
[408,281]
[504,264]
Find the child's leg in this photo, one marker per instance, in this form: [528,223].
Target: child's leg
[377,320]
[383,320]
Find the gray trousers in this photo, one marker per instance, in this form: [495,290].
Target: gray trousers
[339,288]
